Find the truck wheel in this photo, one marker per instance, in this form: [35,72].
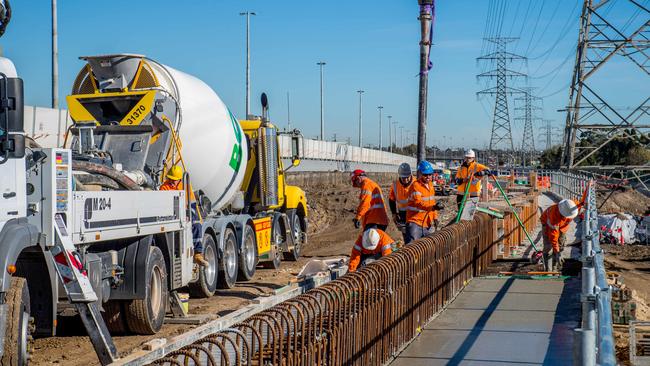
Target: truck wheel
[114,317]
[228,264]
[207,282]
[17,336]
[297,230]
[146,316]
[276,242]
[248,256]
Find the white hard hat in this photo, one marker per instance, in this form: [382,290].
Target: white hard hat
[470,153]
[370,239]
[568,208]
[404,170]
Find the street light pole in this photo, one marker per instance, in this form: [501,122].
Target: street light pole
[390,135]
[401,137]
[248,60]
[380,136]
[360,117]
[55,59]
[395,132]
[322,111]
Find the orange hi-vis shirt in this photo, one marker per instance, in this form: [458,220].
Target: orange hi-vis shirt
[553,223]
[464,172]
[421,201]
[371,209]
[399,193]
[384,247]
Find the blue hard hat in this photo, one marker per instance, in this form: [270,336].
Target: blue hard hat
[424,167]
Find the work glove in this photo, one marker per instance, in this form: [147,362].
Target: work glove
[439,206]
[357,223]
[436,224]
[459,181]
[562,241]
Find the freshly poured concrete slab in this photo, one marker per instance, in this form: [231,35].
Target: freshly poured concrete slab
[503,321]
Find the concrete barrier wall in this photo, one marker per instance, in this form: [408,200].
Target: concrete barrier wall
[319,155]
[304,179]
[46,126]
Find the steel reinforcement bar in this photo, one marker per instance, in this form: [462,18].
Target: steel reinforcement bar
[362,318]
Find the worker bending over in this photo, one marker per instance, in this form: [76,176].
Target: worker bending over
[422,209]
[371,212]
[469,172]
[398,199]
[555,223]
[369,247]
[174,182]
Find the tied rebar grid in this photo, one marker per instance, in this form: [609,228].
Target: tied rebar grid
[363,318]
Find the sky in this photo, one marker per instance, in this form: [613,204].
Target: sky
[368,45]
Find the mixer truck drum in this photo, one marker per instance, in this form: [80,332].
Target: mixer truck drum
[116,175]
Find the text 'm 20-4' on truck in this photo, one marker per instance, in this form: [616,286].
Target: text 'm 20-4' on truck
[86,227]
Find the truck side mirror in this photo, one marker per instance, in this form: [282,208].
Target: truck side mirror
[295,147]
[12,139]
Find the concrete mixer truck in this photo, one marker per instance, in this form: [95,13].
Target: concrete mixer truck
[86,227]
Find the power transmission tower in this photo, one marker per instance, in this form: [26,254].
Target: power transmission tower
[501,131]
[546,133]
[528,140]
[592,121]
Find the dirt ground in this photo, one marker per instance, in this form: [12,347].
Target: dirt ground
[630,262]
[331,234]
[623,200]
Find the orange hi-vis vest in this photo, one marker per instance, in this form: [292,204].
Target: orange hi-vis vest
[421,201]
[553,223]
[399,193]
[171,185]
[371,209]
[384,247]
[464,172]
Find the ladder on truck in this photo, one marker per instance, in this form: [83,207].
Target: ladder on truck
[80,292]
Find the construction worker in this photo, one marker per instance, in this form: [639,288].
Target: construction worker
[371,212]
[174,182]
[469,172]
[369,247]
[398,197]
[555,223]
[422,209]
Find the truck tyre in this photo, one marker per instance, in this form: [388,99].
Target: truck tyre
[276,242]
[248,256]
[17,336]
[146,316]
[207,282]
[297,223]
[114,317]
[229,260]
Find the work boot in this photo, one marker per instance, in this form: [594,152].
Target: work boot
[198,259]
[547,263]
[557,262]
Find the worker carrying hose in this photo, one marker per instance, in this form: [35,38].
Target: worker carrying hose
[371,212]
[174,182]
[369,247]
[469,172]
[422,209]
[398,198]
[555,223]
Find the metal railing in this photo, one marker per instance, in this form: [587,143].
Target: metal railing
[596,339]
[594,342]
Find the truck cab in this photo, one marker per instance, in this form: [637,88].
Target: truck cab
[267,195]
